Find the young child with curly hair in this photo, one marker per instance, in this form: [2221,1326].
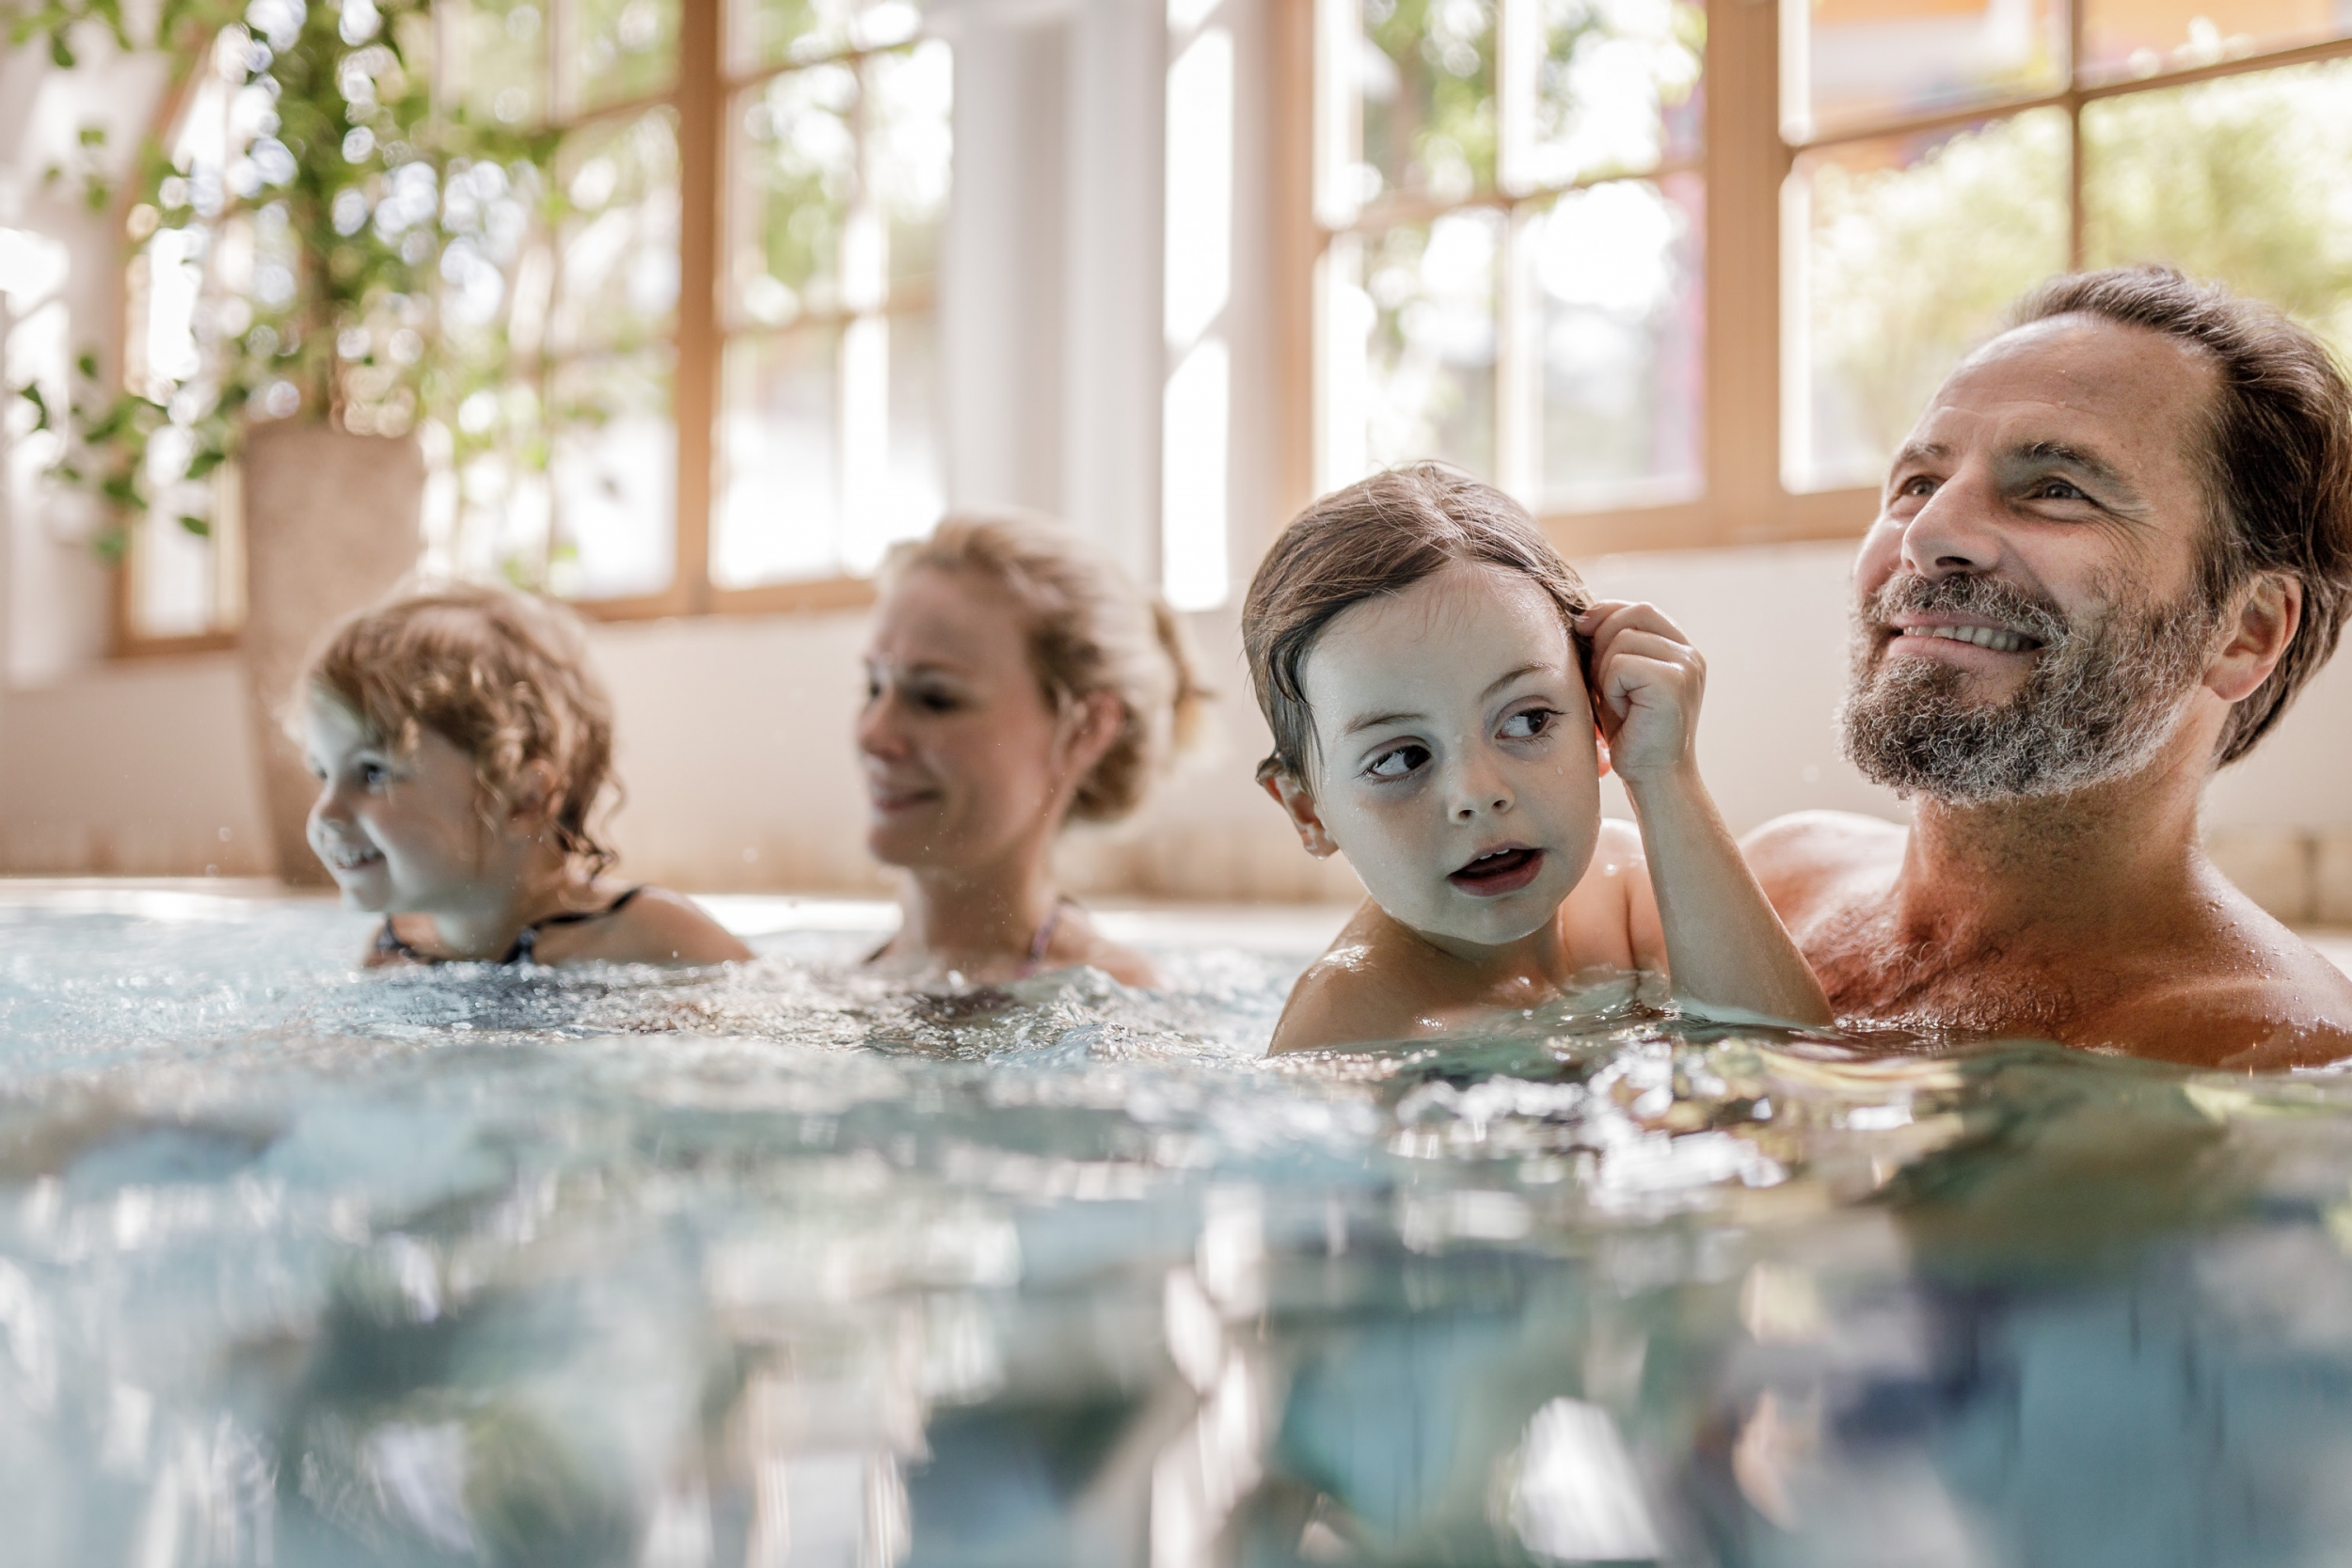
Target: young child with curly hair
[462,752]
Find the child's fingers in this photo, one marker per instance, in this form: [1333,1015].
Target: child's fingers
[1610,619]
[1637,680]
[1652,646]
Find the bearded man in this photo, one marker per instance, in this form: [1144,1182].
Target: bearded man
[2115,546]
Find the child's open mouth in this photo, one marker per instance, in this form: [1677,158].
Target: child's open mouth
[1499,871]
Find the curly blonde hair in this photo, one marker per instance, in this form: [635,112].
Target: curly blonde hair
[503,676]
[1090,628]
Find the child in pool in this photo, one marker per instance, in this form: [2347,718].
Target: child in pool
[461,746]
[1432,671]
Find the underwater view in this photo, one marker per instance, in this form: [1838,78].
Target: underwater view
[780,1265]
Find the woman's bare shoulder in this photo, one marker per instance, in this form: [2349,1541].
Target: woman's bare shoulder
[1122,964]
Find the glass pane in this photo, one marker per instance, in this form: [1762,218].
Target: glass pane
[778,516]
[613,467]
[1413,361]
[1845,61]
[768,32]
[1616,274]
[621,49]
[1616,90]
[2135,38]
[1912,249]
[795,174]
[617,267]
[909,151]
[1424,75]
[909,495]
[501,62]
[2247,180]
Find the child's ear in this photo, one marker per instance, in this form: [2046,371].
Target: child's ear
[1299,806]
[1600,744]
[536,795]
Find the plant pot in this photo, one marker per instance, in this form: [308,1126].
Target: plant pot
[332,522]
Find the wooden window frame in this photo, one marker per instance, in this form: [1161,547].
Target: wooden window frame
[1745,160]
[700,98]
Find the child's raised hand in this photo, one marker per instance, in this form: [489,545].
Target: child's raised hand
[1650,681]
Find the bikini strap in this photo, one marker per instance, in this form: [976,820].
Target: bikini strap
[526,948]
[1043,939]
[388,945]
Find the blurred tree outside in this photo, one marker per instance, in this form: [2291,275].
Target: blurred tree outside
[2247,181]
[1914,255]
[1910,265]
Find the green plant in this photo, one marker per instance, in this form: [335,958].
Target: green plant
[317,243]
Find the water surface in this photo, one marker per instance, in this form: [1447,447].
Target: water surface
[776,1266]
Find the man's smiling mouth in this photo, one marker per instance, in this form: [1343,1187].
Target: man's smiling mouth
[1999,640]
[1495,872]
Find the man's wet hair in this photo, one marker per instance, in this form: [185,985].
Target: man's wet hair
[2277,460]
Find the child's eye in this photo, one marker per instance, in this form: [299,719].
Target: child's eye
[373,773]
[1396,763]
[1528,723]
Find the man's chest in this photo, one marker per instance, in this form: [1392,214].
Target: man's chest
[1874,970]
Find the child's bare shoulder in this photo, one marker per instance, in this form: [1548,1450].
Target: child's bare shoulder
[660,926]
[1361,989]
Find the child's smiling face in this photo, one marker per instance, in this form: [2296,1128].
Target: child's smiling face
[1457,765]
[400,831]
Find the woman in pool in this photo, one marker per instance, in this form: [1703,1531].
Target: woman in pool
[1016,680]
[1432,671]
[462,750]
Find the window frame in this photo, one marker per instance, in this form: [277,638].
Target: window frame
[701,97]
[1746,158]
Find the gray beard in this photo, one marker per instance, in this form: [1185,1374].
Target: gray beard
[2101,698]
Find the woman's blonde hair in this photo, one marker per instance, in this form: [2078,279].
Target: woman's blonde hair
[1090,628]
[503,676]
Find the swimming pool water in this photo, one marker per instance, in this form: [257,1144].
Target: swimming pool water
[779,1266]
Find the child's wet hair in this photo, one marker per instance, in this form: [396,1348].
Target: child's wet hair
[1380,536]
[503,676]
[1089,628]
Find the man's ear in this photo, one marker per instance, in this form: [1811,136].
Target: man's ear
[2259,636]
[1299,806]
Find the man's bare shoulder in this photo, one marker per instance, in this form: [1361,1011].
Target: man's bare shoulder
[1798,857]
[2259,999]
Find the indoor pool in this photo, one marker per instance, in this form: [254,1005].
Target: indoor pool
[777,1266]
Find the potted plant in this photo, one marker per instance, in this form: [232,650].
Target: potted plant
[331,227]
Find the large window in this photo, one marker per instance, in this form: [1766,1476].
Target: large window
[1678,277]
[692,360]
[1948,159]
[1513,195]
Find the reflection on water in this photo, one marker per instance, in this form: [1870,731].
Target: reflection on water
[780,1267]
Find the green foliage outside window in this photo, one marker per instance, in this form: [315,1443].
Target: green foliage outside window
[348,220]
